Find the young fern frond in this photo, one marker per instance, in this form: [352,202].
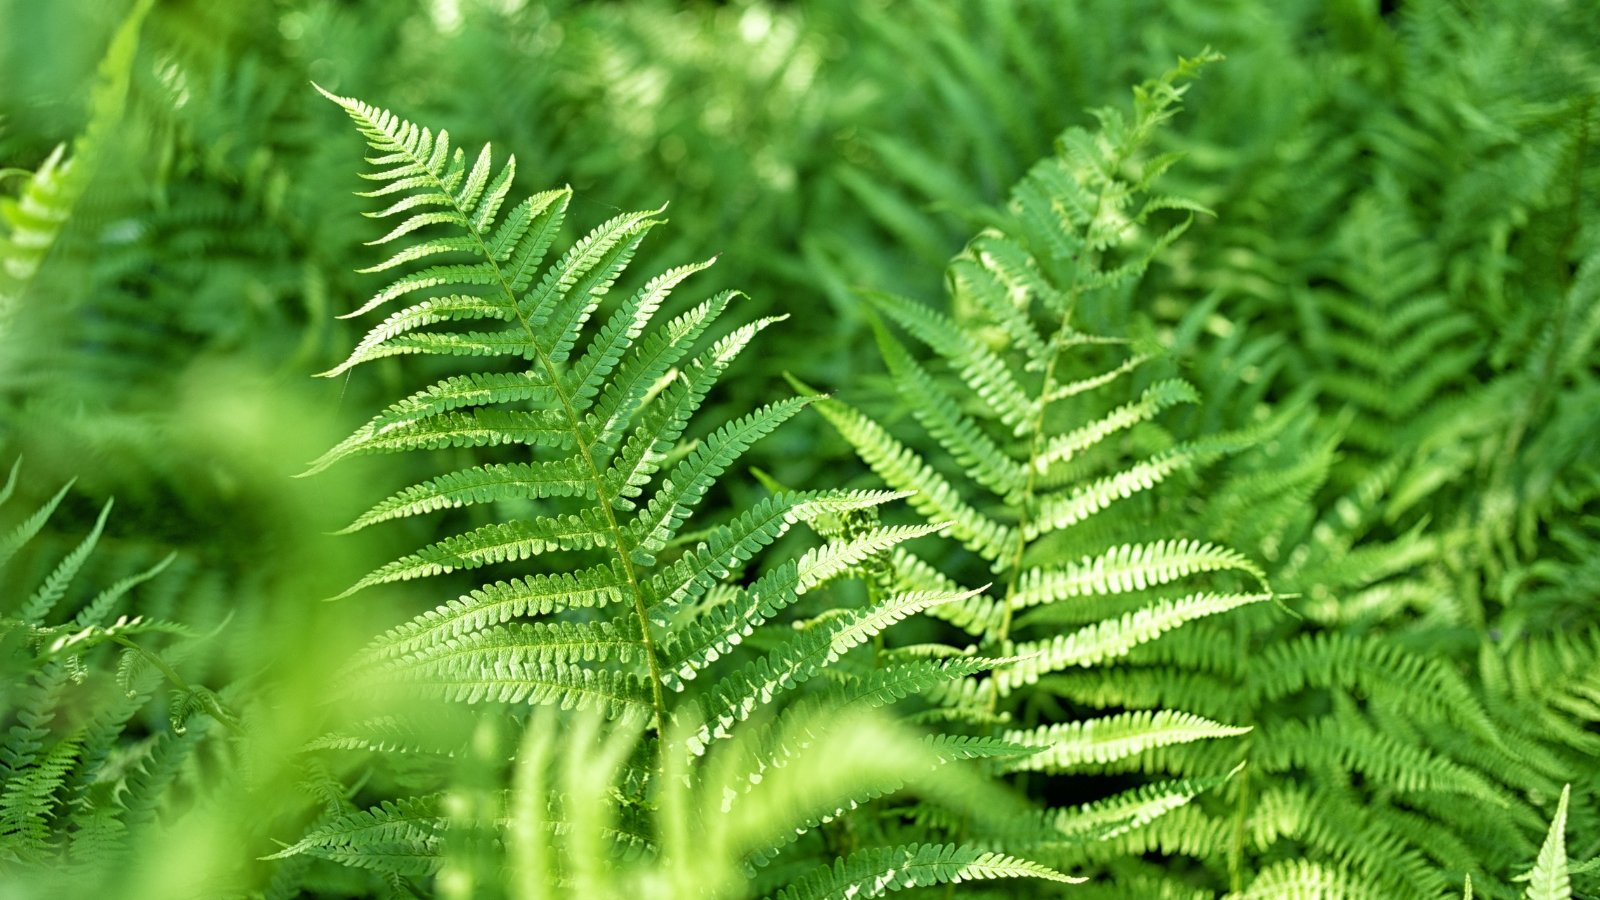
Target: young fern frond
[1549,879]
[1017,401]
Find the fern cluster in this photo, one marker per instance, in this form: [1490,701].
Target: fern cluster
[84,767]
[1239,525]
[626,616]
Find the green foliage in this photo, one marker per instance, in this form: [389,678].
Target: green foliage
[84,766]
[1355,362]
[630,619]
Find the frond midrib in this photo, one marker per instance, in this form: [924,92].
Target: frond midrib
[603,498]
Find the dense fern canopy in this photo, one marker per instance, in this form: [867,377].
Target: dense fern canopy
[800,450]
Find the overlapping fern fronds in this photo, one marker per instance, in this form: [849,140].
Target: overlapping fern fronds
[79,778]
[620,612]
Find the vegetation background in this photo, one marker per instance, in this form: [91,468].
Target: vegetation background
[1387,314]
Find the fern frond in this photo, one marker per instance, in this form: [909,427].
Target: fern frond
[986,374]
[1110,639]
[700,643]
[1129,567]
[489,544]
[481,484]
[731,545]
[31,224]
[502,601]
[1549,879]
[401,836]
[1100,742]
[686,484]
[873,873]
[634,610]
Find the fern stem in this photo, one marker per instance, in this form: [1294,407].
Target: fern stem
[1236,846]
[602,499]
[171,674]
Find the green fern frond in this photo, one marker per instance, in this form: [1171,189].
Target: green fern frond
[401,836]
[1024,452]
[1549,879]
[31,223]
[620,610]
[1129,567]
[874,873]
[1110,639]
[78,779]
[1093,743]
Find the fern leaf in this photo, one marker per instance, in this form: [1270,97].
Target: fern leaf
[642,373]
[29,527]
[741,693]
[903,469]
[978,615]
[482,484]
[478,428]
[875,872]
[401,836]
[538,645]
[940,413]
[54,587]
[702,643]
[1130,810]
[689,480]
[1302,878]
[415,413]
[882,686]
[1129,567]
[570,290]
[1550,879]
[729,546]
[1354,746]
[97,609]
[1157,397]
[986,373]
[494,604]
[34,221]
[1110,739]
[663,423]
[455,308]
[1113,638]
[588,375]
[1059,511]
[488,544]
[29,797]
[492,675]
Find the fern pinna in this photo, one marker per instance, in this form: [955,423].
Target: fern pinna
[626,612]
[1013,408]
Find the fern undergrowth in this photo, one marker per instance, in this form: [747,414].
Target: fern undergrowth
[1225,527]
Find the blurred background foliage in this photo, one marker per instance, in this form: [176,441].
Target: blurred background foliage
[1404,263]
